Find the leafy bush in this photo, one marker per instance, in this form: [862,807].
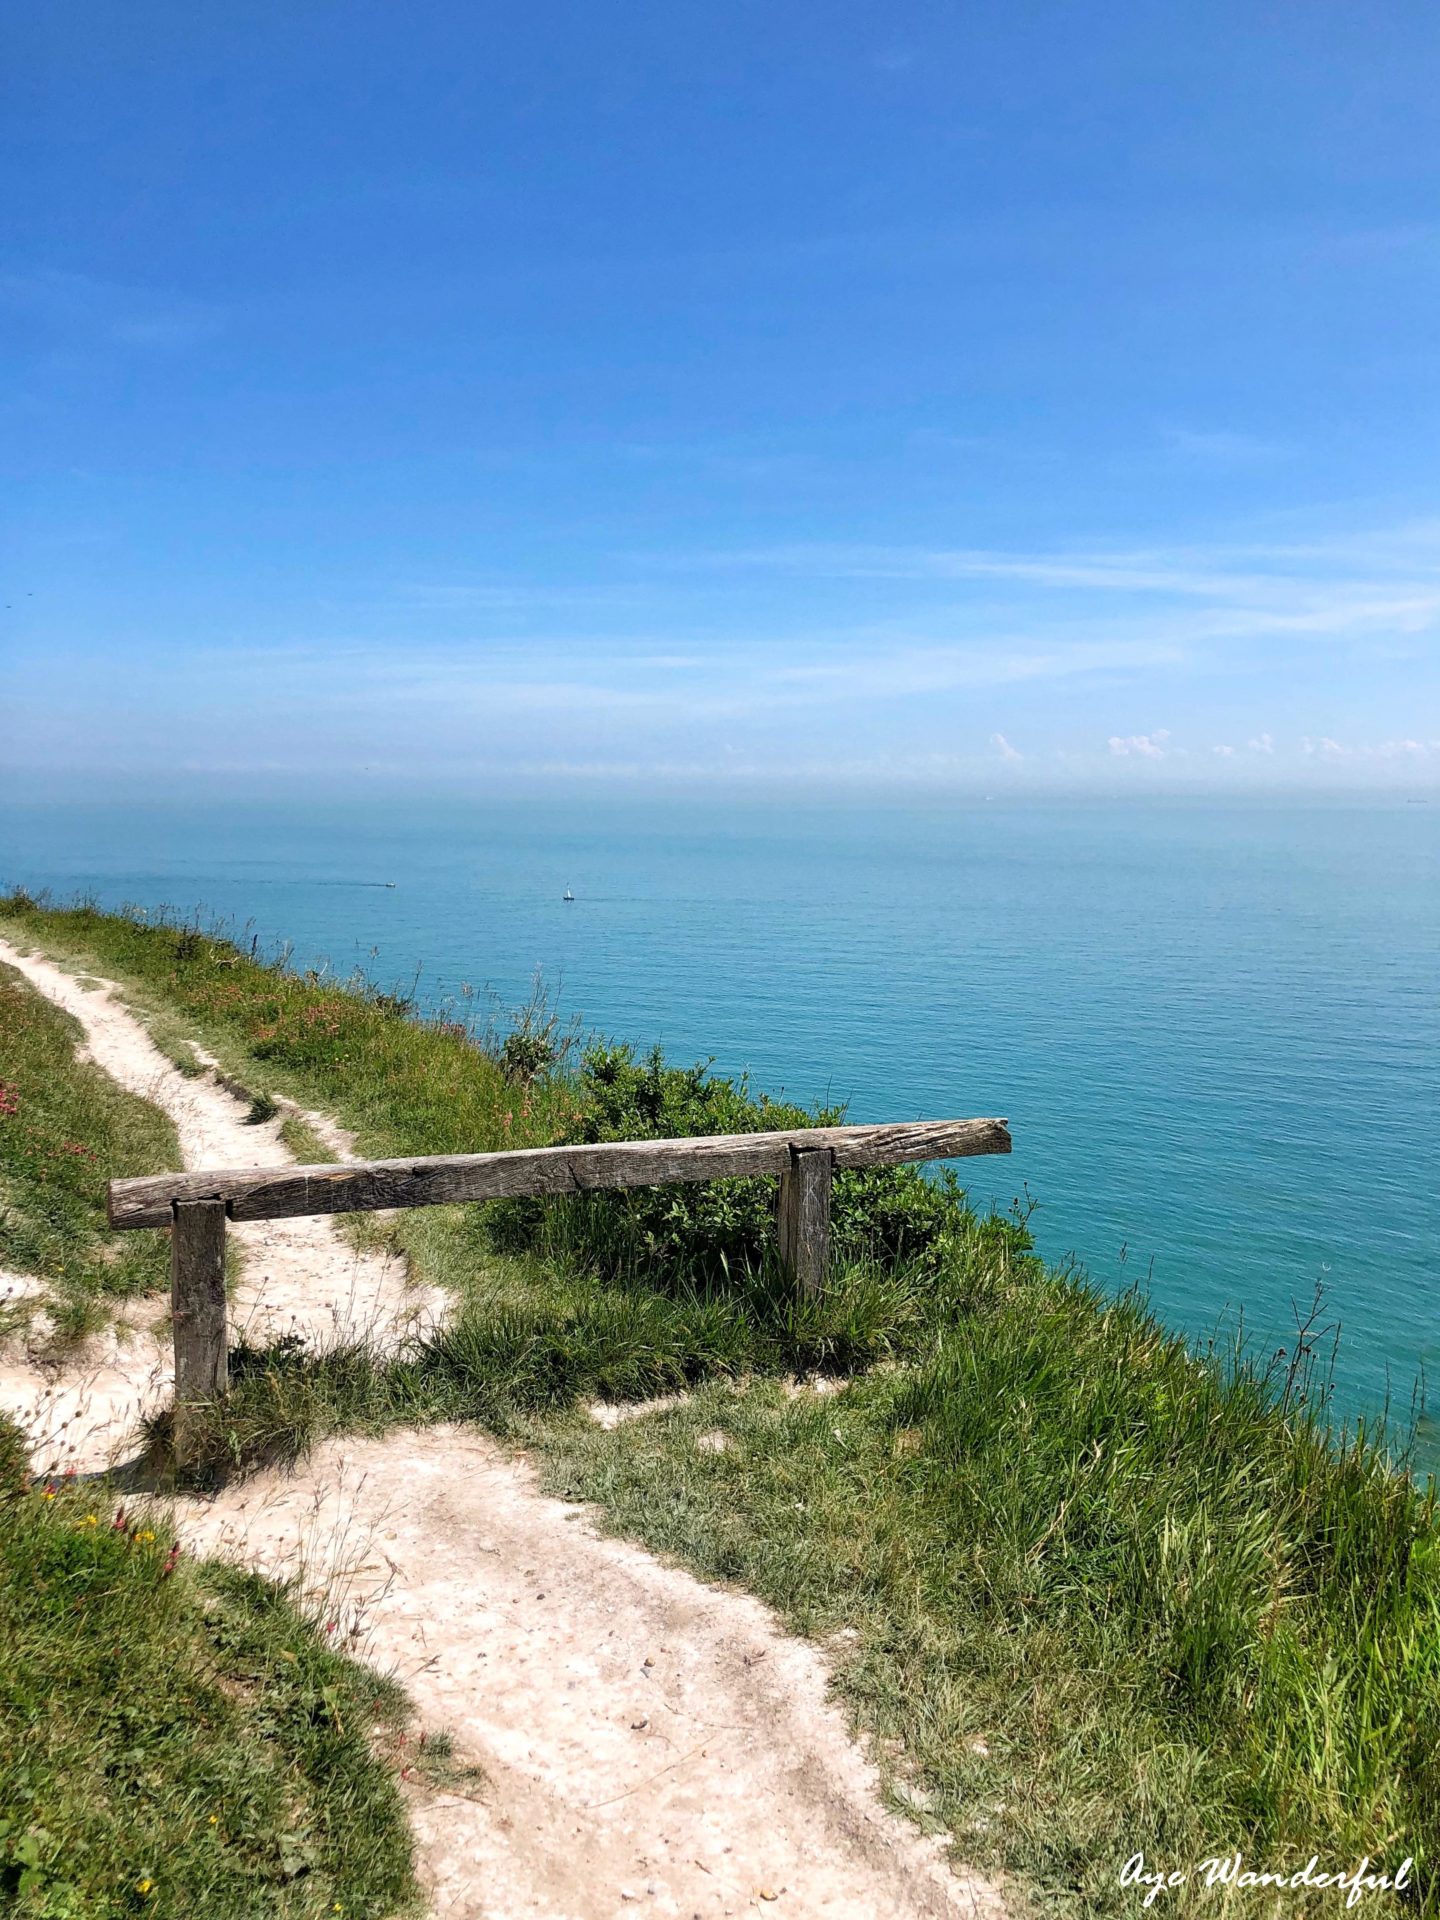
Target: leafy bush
[524,1055]
[711,1233]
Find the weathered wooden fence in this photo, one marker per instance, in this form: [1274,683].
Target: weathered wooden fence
[196,1206]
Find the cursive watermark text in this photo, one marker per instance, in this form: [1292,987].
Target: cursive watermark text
[1230,1870]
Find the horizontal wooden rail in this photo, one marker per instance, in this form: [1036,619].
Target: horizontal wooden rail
[196,1206]
[274,1193]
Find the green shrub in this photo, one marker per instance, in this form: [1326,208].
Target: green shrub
[524,1056]
[711,1233]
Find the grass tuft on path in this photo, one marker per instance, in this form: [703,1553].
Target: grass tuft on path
[66,1129]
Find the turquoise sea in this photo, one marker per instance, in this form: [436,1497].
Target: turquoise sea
[1215,1028]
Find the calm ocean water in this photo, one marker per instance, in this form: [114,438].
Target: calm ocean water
[1215,1029]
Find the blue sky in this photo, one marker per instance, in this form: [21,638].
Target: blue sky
[927,396]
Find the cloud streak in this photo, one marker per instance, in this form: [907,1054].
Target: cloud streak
[929,662]
[76,307]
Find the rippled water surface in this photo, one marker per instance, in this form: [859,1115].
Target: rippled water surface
[1215,1029]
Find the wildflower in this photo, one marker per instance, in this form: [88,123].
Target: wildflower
[90,1520]
[170,1559]
[47,1492]
[146,1536]
[143,1887]
[117,1525]
[214,1820]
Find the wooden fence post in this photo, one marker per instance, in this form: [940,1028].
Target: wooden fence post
[804,1216]
[197,1308]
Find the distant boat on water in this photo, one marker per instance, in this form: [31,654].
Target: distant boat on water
[567,895]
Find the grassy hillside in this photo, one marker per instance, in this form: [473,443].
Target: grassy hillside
[1102,1595]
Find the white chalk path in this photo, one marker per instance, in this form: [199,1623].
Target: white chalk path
[297,1276]
[646,1744]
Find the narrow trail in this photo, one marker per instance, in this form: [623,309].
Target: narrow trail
[643,1743]
[297,1276]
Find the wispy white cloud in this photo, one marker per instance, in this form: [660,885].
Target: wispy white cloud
[1222,446]
[1003,747]
[1210,606]
[514,596]
[1401,749]
[75,305]
[1117,571]
[1144,746]
[874,665]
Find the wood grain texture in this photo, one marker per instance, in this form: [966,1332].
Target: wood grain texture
[803,1218]
[274,1193]
[197,1307]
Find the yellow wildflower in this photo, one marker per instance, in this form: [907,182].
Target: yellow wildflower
[48,1493]
[91,1520]
[146,1535]
[143,1887]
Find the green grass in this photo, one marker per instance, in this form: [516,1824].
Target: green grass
[66,1129]
[175,1739]
[1101,1594]
[398,1082]
[1106,1600]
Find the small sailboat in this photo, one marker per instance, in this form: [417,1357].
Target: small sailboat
[567,895]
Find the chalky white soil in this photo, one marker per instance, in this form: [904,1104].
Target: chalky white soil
[644,1743]
[297,1276]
